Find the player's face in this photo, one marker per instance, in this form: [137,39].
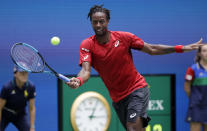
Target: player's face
[203,53]
[99,23]
[21,76]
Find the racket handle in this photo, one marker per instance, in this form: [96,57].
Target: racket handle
[64,78]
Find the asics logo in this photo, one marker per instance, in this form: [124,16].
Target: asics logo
[84,58]
[133,115]
[13,92]
[116,44]
[189,118]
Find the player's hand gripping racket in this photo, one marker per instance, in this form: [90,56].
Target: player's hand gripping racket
[28,58]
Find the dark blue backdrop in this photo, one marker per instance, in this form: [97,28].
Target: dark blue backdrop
[158,22]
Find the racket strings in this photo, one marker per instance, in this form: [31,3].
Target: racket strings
[27,58]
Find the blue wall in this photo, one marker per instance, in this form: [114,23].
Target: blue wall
[157,22]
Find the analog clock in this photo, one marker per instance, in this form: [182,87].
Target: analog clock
[90,112]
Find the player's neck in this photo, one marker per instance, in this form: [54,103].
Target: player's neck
[19,84]
[104,39]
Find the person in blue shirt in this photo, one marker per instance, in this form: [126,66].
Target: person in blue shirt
[14,97]
[196,89]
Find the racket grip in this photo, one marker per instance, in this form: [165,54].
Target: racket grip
[64,78]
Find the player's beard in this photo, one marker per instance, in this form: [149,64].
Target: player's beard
[101,33]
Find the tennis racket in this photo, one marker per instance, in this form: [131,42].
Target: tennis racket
[29,59]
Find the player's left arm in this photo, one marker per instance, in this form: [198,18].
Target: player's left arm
[158,49]
[32,114]
[187,87]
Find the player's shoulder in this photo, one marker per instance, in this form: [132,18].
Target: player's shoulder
[88,40]
[30,84]
[122,33]
[7,85]
[195,66]
[87,43]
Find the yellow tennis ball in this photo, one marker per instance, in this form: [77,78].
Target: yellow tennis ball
[55,40]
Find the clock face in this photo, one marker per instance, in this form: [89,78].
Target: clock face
[90,112]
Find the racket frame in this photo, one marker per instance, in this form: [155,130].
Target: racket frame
[52,71]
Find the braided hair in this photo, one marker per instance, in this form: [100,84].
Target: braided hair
[98,8]
[198,57]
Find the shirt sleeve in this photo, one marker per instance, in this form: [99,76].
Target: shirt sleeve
[135,42]
[32,93]
[189,74]
[85,52]
[3,94]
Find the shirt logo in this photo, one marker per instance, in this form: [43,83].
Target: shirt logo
[116,44]
[133,115]
[84,58]
[25,93]
[189,118]
[85,49]
[189,77]
[13,92]
[201,74]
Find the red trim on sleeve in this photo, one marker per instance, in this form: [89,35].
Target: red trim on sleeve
[189,74]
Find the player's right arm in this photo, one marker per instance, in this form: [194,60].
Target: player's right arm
[84,74]
[85,63]
[2,104]
[85,71]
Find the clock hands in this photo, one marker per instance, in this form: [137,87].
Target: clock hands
[92,114]
[98,116]
[90,111]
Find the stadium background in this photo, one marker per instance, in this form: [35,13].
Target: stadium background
[35,22]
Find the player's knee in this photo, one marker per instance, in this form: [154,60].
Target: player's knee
[139,125]
[145,121]
[134,128]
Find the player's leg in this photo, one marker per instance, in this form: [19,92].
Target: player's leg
[22,123]
[120,109]
[135,126]
[137,118]
[139,125]
[195,126]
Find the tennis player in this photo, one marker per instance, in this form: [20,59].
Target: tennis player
[109,52]
[13,101]
[196,90]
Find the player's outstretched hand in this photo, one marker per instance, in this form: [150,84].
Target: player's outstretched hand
[74,83]
[193,46]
